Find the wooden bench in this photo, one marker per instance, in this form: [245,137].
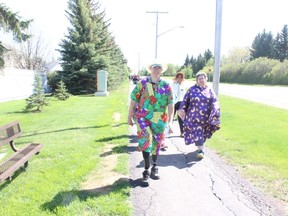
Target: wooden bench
[8,133]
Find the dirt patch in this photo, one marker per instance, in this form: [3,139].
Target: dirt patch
[102,181]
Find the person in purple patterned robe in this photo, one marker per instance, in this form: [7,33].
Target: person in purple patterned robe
[200,110]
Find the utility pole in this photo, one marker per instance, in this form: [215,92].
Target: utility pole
[217,46]
[156,41]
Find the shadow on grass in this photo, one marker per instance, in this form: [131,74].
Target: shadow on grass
[118,125]
[119,149]
[20,112]
[66,129]
[65,198]
[7,182]
[106,139]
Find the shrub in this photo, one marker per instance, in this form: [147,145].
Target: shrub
[61,92]
[37,99]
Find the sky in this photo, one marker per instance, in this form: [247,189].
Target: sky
[185,27]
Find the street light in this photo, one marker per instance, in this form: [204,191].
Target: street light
[158,35]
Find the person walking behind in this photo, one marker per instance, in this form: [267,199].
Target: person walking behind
[154,100]
[179,91]
[200,110]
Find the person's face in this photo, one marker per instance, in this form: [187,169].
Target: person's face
[201,80]
[179,78]
[156,71]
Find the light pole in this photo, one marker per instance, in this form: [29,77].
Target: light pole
[156,42]
[218,29]
[158,35]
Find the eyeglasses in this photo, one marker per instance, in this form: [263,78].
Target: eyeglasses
[157,68]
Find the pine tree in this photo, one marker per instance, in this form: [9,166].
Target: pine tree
[262,46]
[37,99]
[89,47]
[11,22]
[281,45]
[61,92]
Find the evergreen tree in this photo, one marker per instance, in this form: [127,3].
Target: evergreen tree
[281,45]
[61,92]
[117,64]
[89,47]
[199,62]
[37,99]
[11,22]
[207,55]
[262,45]
[187,61]
[194,65]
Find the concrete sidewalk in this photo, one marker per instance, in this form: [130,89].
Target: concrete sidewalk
[189,187]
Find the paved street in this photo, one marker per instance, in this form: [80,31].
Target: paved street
[276,96]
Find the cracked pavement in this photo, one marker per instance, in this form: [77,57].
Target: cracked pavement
[189,187]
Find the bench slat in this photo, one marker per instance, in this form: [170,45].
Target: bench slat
[9,166]
[9,132]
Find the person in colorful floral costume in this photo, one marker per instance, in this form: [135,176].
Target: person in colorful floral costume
[200,111]
[151,108]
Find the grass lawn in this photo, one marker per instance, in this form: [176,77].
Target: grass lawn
[85,140]
[78,136]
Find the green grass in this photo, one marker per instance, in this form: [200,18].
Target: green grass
[74,134]
[77,132]
[254,138]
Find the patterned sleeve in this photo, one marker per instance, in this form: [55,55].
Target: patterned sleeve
[135,94]
[170,95]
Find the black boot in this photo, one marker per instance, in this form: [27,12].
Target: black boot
[154,172]
[145,179]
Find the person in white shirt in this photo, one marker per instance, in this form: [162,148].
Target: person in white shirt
[179,90]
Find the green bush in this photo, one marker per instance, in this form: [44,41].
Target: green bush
[61,92]
[258,71]
[38,99]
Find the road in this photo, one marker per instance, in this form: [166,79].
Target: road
[276,96]
[210,187]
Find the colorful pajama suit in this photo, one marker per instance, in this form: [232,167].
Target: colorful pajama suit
[202,114]
[151,113]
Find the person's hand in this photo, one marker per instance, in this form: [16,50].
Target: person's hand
[181,114]
[170,128]
[130,121]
